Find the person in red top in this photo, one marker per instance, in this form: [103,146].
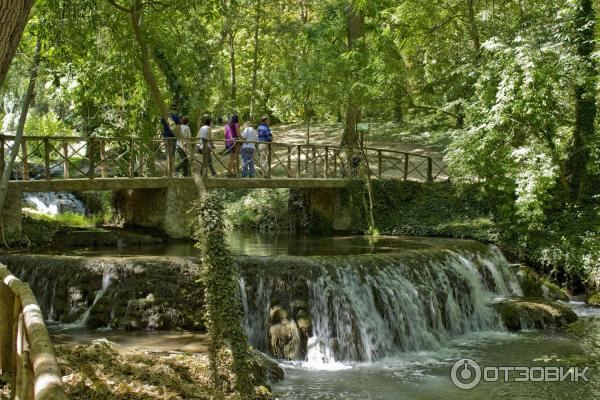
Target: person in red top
[232,129]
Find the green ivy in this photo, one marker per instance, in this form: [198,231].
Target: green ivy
[222,304]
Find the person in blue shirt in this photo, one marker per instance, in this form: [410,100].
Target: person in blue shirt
[168,126]
[264,136]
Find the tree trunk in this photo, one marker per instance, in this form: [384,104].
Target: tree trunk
[14,15]
[473,28]
[258,11]
[355,31]
[232,73]
[21,126]
[585,98]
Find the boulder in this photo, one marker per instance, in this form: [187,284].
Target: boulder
[534,285]
[534,313]
[593,299]
[284,335]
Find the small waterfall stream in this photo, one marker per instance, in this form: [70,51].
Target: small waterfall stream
[364,308]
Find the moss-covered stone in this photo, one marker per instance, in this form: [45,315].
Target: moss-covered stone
[534,313]
[593,299]
[533,285]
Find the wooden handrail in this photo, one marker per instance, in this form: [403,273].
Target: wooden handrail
[26,352]
[95,156]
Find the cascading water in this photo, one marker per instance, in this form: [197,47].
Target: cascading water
[365,308]
[53,203]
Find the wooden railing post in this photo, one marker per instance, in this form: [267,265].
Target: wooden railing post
[298,162]
[289,161]
[269,159]
[92,158]
[66,158]
[314,156]
[406,166]
[25,159]
[379,164]
[238,159]
[335,163]
[2,162]
[170,158]
[131,158]
[326,169]
[7,305]
[206,148]
[47,150]
[429,169]
[103,158]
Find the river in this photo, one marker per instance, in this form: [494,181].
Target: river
[389,316]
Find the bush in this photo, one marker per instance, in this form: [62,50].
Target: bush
[261,209]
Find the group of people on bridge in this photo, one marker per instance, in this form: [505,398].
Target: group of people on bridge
[245,143]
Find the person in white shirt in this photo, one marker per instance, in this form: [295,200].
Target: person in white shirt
[186,133]
[250,136]
[205,135]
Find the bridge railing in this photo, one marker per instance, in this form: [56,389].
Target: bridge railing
[27,359]
[97,157]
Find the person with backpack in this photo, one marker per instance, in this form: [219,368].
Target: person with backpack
[232,129]
[265,136]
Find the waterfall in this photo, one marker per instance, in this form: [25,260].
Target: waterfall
[83,318]
[365,308]
[53,203]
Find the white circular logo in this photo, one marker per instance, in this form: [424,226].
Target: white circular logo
[465,374]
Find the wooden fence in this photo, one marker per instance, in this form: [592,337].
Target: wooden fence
[95,157]
[27,359]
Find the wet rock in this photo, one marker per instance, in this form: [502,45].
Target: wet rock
[126,293]
[264,370]
[284,335]
[536,313]
[593,299]
[535,286]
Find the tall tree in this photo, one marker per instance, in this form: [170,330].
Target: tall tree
[585,99]
[14,15]
[355,22]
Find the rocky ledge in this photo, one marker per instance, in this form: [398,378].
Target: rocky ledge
[534,313]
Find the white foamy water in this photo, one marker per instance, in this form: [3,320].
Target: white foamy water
[53,203]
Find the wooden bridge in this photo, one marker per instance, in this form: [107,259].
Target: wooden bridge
[99,163]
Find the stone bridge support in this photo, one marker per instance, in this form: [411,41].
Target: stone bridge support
[158,210]
[321,210]
[11,215]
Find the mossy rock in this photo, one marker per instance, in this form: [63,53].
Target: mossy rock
[533,285]
[593,299]
[534,313]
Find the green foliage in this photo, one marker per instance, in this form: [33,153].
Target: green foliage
[223,308]
[71,220]
[418,209]
[48,124]
[261,209]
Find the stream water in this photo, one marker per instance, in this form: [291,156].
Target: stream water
[390,317]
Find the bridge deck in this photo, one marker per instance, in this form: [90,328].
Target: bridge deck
[85,184]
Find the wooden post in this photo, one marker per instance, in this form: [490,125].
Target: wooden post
[269,159]
[238,156]
[406,166]
[314,156]
[47,158]
[103,158]
[169,157]
[326,169]
[25,159]
[66,159]
[289,160]
[131,158]
[298,162]
[335,167]
[206,148]
[429,169]
[379,164]
[92,158]
[2,163]
[7,304]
